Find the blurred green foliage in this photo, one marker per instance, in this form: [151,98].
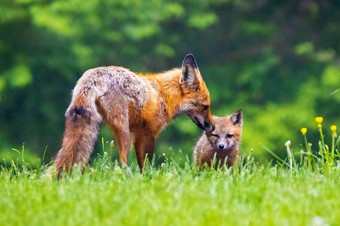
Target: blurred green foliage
[276,60]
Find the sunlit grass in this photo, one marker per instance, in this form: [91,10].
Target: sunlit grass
[300,190]
[107,194]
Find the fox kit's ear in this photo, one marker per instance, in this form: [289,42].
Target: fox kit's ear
[189,73]
[237,118]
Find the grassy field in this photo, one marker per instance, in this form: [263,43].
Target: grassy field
[251,194]
[305,191]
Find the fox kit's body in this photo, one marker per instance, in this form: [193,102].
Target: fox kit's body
[136,107]
[223,143]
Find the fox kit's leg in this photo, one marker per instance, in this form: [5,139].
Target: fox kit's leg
[144,143]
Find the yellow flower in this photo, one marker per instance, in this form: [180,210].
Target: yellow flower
[333,127]
[319,125]
[303,131]
[319,119]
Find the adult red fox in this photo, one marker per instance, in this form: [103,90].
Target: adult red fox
[223,143]
[136,107]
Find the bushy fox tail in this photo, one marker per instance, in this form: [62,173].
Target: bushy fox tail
[81,130]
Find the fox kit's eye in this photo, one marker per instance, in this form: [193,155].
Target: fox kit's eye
[214,135]
[230,135]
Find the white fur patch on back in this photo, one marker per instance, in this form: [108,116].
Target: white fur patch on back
[100,81]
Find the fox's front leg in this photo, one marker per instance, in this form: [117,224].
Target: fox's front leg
[144,144]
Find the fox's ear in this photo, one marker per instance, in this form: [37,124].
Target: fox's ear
[237,118]
[189,70]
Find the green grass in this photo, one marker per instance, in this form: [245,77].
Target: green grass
[304,191]
[252,194]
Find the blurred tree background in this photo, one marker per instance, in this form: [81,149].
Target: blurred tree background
[276,60]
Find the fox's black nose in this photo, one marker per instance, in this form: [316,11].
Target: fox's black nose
[221,146]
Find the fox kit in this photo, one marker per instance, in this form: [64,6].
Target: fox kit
[223,142]
[136,107]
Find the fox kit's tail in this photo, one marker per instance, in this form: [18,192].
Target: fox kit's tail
[81,129]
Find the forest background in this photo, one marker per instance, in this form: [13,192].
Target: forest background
[278,61]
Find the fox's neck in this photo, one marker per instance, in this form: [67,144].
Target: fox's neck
[170,90]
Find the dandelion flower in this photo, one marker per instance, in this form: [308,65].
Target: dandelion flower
[304,131]
[334,134]
[333,127]
[319,119]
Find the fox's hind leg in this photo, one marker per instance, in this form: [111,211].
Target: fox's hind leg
[144,143]
[123,139]
[116,116]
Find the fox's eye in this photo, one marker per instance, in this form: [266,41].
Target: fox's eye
[215,135]
[205,107]
[230,135]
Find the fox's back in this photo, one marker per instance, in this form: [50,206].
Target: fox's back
[113,81]
[121,95]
